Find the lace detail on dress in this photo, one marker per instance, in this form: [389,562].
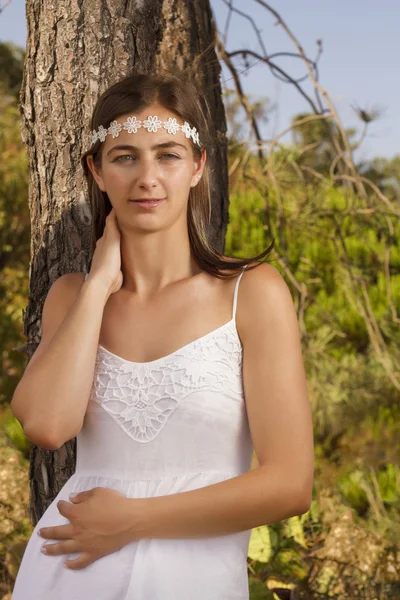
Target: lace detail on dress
[141,397]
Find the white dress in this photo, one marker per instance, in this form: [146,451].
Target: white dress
[162,427]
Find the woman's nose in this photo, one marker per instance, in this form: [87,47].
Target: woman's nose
[147,174]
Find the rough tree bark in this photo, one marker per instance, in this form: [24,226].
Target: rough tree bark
[74,51]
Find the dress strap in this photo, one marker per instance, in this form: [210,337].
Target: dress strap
[236,293]
[86,276]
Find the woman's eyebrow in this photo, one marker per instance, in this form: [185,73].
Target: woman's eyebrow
[155,147]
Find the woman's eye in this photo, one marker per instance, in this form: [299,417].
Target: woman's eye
[169,156]
[124,156]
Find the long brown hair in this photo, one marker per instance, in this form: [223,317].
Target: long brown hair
[132,94]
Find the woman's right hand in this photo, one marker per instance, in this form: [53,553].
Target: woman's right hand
[106,261]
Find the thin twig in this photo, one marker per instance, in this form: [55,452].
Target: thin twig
[3,6]
[240,92]
[348,156]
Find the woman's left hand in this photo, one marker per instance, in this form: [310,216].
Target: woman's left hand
[100,523]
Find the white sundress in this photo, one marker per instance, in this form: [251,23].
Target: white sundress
[161,427]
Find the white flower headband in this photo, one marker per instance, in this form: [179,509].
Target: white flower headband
[152,124]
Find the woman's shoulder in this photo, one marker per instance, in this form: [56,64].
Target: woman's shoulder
[261,280]
[264,296]
[256,270]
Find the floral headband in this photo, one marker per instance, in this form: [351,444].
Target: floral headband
[152,124]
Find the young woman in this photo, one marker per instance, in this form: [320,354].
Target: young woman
[168,376]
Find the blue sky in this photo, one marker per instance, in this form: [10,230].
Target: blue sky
[358,65]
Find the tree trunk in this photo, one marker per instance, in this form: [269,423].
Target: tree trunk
[75,50]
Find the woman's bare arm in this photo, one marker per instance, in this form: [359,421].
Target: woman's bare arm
[51,398]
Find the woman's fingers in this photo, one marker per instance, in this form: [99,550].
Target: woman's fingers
[81,562]
[67,547]
[60,532]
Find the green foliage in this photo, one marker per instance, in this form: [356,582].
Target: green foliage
[258,590]
[14,226]
[315,141]
[336,248]
[352,489]
[245,234]
[385,173]
[389,484]
[13,432]
[11,67]
[375,495]
[234,113]
[260,546]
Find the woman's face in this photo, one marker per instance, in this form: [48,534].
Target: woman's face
[155,165]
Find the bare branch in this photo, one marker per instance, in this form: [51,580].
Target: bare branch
[289,79]
[4,5]
[239,90]
[233,9]
[348,155]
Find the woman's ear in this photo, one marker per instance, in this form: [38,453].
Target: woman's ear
[198,170]
[95,172]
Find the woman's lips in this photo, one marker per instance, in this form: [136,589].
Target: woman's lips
[147,203]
